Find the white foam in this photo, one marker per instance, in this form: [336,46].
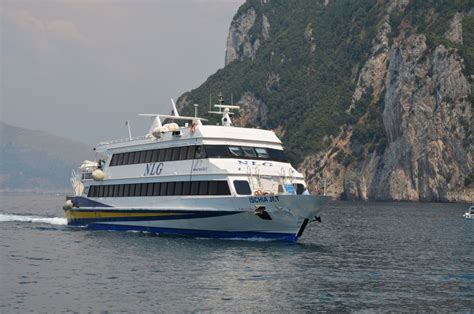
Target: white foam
[45,220]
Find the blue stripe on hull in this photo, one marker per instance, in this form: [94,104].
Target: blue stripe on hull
[178,215]
[194,233]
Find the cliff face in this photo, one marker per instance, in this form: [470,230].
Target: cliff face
[241,43]
[427,118]
[373,100]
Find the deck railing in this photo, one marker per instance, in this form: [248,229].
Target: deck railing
[124,140]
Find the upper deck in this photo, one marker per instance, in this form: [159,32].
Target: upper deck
[194,152]
[201,134]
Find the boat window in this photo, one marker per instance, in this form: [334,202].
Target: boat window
[203,188]
[116,190]
[175,155]
[242,187]
[183,152]
[236,151]
[194,188]
[299,188]
[161,154]
[113,162]
[163,189]
[156,189]
[277,155]
[191,151]
[178,188]
[197,152]
[131,156]
[132,190]
[213,187]
[154,155]
[125,158]
[120,192]
[119,159]
[142,157]
[149,189]
[249,151]
[200,152]
[110,191]
[168,154]
[137,189]
[281,189]
[148,157]
[186,188]
[262,152]
[170,190]
[136,158]
[217,151]
[144,189]
[126,189]
[223,188]
[91,191]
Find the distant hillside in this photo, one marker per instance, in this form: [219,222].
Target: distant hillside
[36,160]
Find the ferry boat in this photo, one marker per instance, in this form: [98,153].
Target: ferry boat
[188,178]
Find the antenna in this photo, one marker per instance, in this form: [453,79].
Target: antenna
[175,111]
[127,123]
[196,110]
[226,121]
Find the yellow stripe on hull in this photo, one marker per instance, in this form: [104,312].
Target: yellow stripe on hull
[72,214]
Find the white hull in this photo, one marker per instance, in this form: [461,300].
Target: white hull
[219,217]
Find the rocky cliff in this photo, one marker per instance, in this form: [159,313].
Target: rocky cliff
[423,95]
[374,100]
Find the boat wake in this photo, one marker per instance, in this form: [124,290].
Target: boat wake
[37,219]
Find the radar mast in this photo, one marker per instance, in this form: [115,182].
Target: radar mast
[224,110]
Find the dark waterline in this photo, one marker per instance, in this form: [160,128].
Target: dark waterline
[363,256]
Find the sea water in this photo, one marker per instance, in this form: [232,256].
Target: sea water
[362,257]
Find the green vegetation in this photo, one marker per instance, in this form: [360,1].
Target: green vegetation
[371,131]
[315,88]
[432,18]
[469,179]
[467,49]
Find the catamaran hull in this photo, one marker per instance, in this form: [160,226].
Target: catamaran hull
[281,218]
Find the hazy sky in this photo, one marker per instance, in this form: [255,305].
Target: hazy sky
[79,69]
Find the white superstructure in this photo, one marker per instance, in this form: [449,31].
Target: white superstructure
[192,179]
